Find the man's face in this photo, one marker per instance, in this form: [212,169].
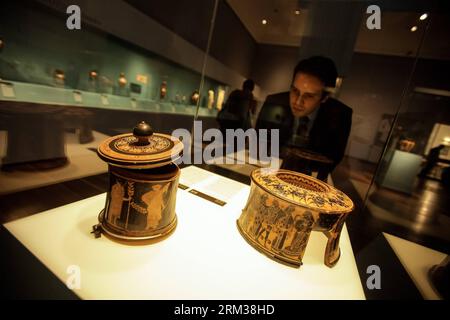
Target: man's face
[306,94]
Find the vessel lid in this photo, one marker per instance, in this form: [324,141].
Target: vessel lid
[302,190]
[141,149]
[309,155]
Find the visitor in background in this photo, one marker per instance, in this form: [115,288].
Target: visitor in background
[236,112]
[432,159]
[306,115]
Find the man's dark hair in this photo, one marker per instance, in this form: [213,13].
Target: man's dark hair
[248,84]
[321,67]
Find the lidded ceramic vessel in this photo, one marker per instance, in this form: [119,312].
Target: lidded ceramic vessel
[284,207]
[306,161]
[143,181]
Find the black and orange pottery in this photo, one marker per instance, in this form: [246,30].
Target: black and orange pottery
[143,181]
[284,207]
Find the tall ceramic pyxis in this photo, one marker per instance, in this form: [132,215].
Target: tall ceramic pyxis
[143,181]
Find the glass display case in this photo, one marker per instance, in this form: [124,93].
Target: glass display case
[298,131]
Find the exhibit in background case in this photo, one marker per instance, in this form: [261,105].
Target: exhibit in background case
[284,207]
[163,90]
[140,203]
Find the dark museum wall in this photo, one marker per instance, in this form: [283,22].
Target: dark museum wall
[273,66]
[231,43]
[374,88]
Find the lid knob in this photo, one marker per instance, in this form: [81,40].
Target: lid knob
[142,131]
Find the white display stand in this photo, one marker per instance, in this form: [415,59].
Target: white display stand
[82,163]
[205,258]
[417,268]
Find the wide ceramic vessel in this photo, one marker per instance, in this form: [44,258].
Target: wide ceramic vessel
[284,207]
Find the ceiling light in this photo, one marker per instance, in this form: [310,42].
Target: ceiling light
[414,29]
[264,21]
[297,12]
[423,16]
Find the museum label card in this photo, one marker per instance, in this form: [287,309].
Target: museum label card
[105,100]
[7,90]
[77,96]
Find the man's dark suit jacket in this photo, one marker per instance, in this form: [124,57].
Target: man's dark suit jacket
[329,133]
